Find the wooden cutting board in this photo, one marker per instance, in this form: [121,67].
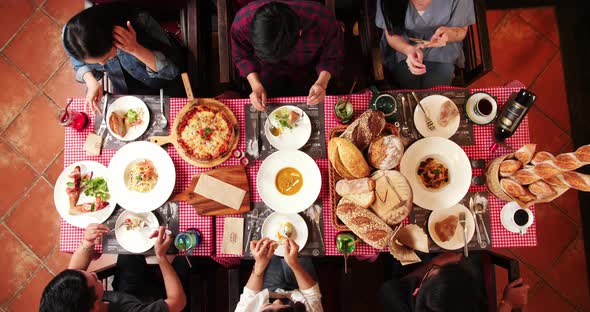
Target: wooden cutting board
[234,175]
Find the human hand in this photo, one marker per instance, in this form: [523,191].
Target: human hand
[291,253]
[317,94]
[126,39]
[258,97]
[262,251]
[439,39]
[414,61]
[93,234]
[516,294]
[93,95]
[163,242]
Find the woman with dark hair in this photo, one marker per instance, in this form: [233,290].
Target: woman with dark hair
[448,284]
[287,284]
[286,48]
[442,24]
[125,43]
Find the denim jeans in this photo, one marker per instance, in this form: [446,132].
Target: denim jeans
[437,74]
[279,275]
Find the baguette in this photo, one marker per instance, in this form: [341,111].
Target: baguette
[509,167]
[575,180]
[542,189]
[541,156]
[357,186]
[365,224]
[516,191]
[525,153]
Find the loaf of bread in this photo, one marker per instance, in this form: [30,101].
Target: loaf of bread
[540,157]
[356,186]
[414,237]
[117,124]
[365,224]
[346,159]
[393,196]
[526,175]
[364,199]
[542,189]
[525,153]
[572,179]
[509,166]
[583,153]
[386,152]
[366,128]
[516,191]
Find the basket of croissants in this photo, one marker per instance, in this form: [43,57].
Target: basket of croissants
[528,176]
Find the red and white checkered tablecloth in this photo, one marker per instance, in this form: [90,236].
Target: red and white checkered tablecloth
[483,140]
[71,236]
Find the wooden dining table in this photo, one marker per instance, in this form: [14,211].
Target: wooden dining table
[211,228]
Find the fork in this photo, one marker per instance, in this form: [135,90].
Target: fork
[462,222]
[429,122]
[163,121]
[103,125]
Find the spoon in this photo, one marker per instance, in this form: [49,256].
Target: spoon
[273,130]
[479,210]
[405,128]
[287,230]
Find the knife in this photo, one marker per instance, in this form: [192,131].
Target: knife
[412,125]
[168,215]
[258,139]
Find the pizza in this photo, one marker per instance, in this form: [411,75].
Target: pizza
[205,133]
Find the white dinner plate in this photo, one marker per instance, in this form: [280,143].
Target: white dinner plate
[136,201]
[136,240]
[272,225]
[289,138]
[312,181]
[432,105]
[456,241]
[62,200]
[121,106]
[453,157]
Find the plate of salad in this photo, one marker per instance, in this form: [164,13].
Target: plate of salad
[128,118]
[287,127]
[82,195]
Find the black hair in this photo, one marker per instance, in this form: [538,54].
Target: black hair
[293,306]
[454,289]
[274,31]
[68,292]
[90,32]
[394,14]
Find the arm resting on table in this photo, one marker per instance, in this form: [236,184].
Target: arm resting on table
[175,297]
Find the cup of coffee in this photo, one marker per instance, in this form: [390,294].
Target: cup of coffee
[481,108]
[516,219]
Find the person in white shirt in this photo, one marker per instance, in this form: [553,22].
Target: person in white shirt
[276,284]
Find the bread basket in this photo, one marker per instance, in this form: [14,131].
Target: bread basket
[334,177]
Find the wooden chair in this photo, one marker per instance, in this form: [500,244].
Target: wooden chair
[476,47]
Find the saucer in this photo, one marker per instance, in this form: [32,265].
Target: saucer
[507,215]
[470,108]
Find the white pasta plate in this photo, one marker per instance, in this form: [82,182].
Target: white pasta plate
[62,200]
[119,169]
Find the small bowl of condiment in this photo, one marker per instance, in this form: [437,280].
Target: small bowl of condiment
[481,108]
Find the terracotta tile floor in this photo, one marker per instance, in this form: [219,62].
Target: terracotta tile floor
[37,78]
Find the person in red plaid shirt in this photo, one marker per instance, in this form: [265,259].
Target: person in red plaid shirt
[286,47]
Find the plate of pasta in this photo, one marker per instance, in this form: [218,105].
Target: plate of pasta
[143,176]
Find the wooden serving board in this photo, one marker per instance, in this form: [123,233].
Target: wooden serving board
[234,175]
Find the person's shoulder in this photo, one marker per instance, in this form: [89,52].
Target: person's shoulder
[247,11]
[311,8]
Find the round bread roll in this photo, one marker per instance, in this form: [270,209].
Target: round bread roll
[386,152]
[347,159]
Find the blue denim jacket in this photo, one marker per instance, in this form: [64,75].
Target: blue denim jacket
[149,35]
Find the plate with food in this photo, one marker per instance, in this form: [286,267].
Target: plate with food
[289,181]
[133,231]
[438,171]
[128,118]
[142,176]
[287,127]
[82,194]
[281,226]
[445,229]
[443,112]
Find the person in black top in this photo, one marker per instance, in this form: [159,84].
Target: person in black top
[78,290]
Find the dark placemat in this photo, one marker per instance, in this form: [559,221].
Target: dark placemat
[109,241]
[464,135]
[419,216]
[315,147]
[153,104]
[313,218]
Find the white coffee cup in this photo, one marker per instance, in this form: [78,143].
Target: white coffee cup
[507,218]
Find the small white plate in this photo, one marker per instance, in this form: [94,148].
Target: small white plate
[453,157]
[121,106]
[312,181]
[136,240]
[507,218]
[432,105]
[62,200]
[272,224]
[456,241]
[289,138]
[136,201]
